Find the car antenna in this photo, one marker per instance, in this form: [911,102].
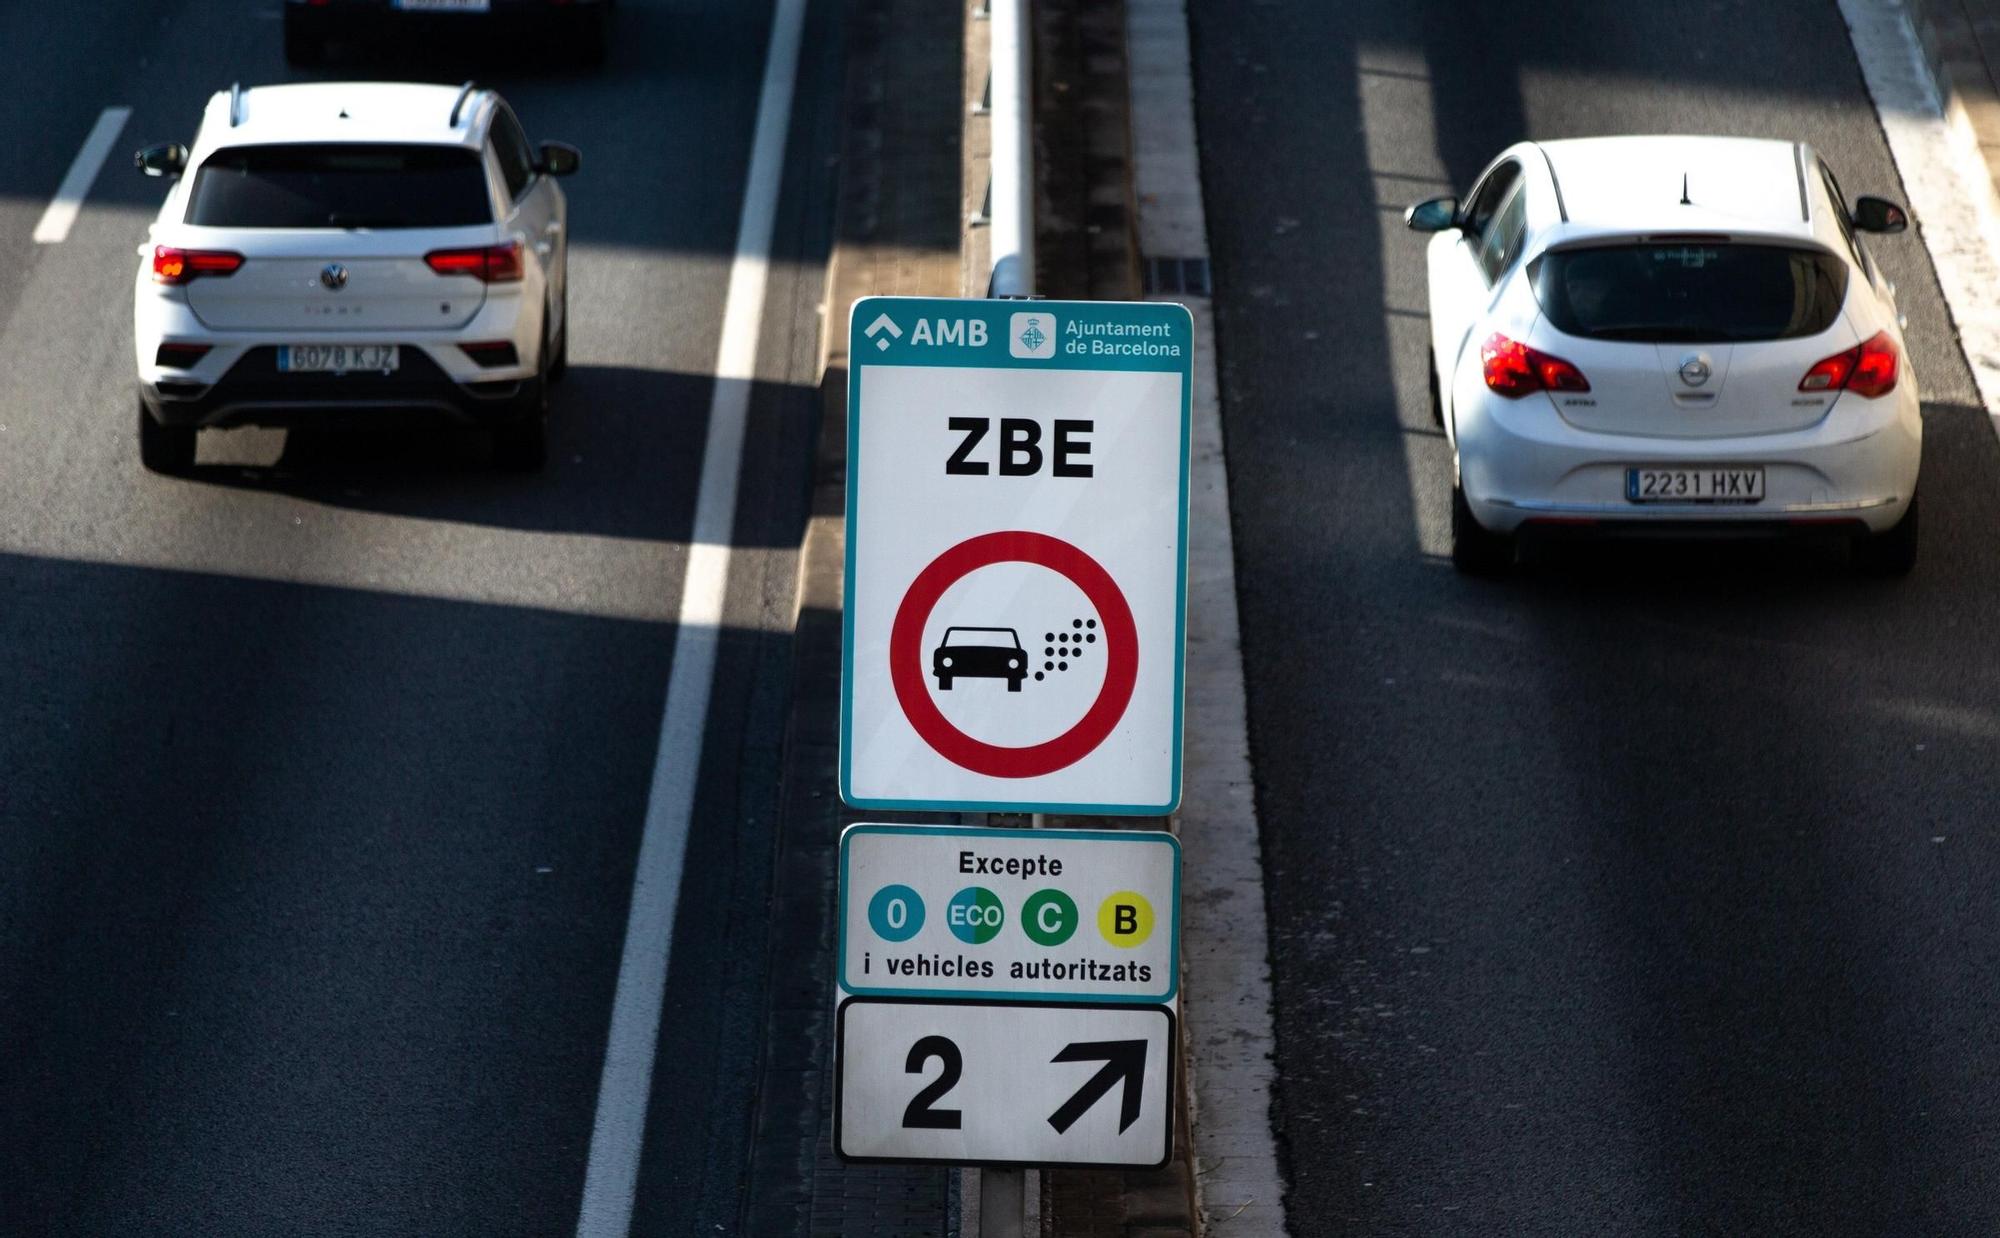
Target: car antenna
[235,104]
[1684,190]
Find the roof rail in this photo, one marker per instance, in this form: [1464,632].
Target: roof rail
[235,104]
[464,93]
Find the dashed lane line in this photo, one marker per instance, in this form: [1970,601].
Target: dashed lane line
[617,1136]
[56,221]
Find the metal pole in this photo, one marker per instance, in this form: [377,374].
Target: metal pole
[1013,173]
[1003,1198]
[1002,1204]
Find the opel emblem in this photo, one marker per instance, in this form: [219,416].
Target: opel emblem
[334,277]
[1694,369]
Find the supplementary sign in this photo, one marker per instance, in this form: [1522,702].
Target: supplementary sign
[1016,555]
[1036,915]
[997,1084]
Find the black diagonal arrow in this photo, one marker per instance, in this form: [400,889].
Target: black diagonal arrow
[1123,1059]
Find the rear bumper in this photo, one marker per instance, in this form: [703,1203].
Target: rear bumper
[1522,467]
[254,393]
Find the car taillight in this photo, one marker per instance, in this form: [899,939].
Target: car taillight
[178,266]
[490,264]
[1513,369]
[1868,369]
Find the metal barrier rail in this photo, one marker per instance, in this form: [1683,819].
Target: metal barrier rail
[1010,191]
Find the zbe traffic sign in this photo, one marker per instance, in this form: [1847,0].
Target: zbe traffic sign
[1017,502]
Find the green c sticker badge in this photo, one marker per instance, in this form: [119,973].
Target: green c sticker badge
[1049,916]
[975,915]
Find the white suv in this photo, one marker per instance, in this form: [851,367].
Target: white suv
[353,253]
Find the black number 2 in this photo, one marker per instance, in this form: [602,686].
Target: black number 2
[920,1114]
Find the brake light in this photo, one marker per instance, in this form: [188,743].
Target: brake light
[1514,370]
[178,266]
[1868,369]
[489,264]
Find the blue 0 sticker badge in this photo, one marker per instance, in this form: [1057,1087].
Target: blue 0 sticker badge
[896,913]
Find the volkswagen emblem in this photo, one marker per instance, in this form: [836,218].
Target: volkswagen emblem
[334,277]
[1694,369]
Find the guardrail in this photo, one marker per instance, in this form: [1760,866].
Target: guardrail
[1010,188]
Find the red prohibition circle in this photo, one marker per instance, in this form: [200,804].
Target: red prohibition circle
[906,654]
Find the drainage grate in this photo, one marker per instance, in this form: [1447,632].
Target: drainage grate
[1182,275]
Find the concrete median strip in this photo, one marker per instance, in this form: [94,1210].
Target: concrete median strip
[1938,152]
[1227,999]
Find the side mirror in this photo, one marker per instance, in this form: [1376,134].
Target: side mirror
[1878,215]
[559,159]
[1432,215]
[162,159]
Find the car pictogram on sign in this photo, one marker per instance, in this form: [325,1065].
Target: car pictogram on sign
[978,653]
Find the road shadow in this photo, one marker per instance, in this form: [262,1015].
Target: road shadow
[625,451]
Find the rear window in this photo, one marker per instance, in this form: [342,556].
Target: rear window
[340,186]
[1690,293]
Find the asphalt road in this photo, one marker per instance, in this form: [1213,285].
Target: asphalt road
[1651,890]
[322,772]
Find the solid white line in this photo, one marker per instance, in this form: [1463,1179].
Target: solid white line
[616,1137]
[56,221]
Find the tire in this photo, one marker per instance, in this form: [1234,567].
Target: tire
[1437,397]
[304,48]
[944,683]
[164,449]
[559,365]
[522,445]
[1892,552]
[1476,550]
[1013,685]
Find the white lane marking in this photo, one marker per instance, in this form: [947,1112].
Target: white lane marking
[1227,1001]
[1951,194]
[62,211]
[617,1135]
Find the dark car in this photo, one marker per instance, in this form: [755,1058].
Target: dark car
[578,25]
[978,653]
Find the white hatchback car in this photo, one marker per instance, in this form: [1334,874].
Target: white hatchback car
[1669,334]
[353,252]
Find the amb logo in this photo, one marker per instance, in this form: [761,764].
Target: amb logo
[957,332]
